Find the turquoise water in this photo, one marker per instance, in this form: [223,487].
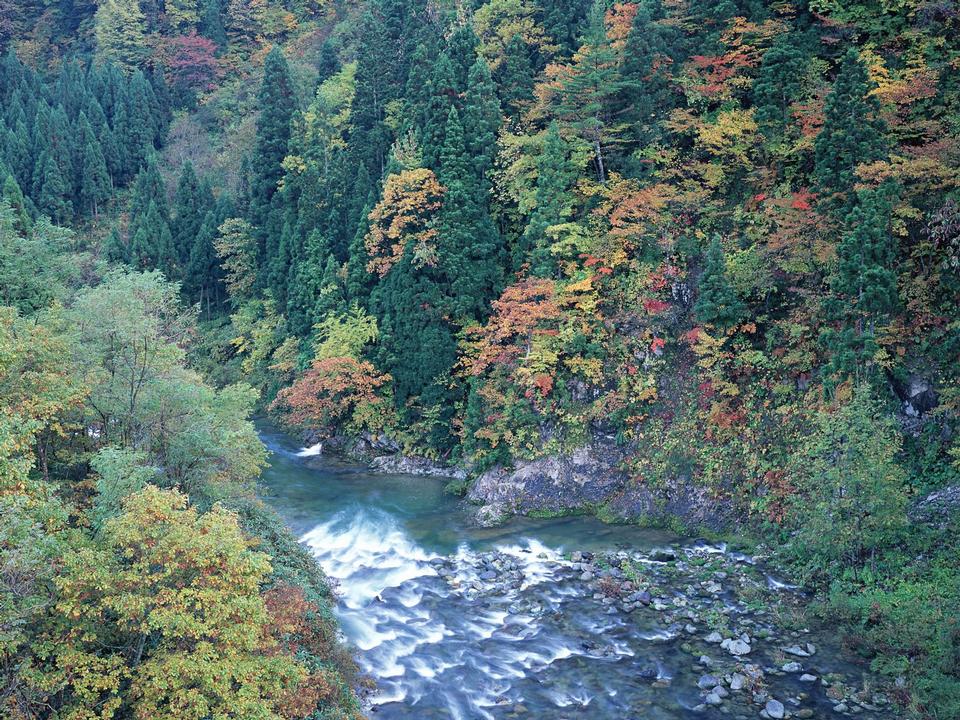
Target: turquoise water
[456,621]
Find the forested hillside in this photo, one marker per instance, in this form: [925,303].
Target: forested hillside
[718,240]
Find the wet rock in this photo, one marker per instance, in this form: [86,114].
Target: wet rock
[774,709]
[663,555]
[712,699]
[644,597]
[721,691]
[796,650]
[649,671]
[737,647]
[707,681]
[791,667]
[714,637]
[587,576]
[488,575]
[806,677]
[805,713]
[840,707]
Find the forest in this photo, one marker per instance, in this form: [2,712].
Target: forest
[720,238]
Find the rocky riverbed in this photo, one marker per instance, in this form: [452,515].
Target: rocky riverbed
[736,625]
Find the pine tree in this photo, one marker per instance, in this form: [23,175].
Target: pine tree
[516,78]
[469,244]
[462,51]
[564,20]
[149,187]
[370,137]
[94,178]
[442,94]
[852,131]
[202,281]
[191,203]
[113,249]
[141,115]
[646,54]
[151,246]
[277,103]
[54,192]
[481,120]
[779,83]
[587,97]
[865,284]
[555,177]
[718,303]
[211,23]
[13,196]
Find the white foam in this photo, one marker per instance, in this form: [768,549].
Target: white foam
[311,451]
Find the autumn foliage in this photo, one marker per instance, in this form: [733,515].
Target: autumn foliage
[334,393]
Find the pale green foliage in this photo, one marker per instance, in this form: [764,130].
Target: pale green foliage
[345,335]
[121,472]
[851,500]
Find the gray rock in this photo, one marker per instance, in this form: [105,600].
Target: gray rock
[774,709]
[587,576]
[488,575]
[713,699]
[738,681]
[707,682]
[807,677]
[796,650]
[714,637]
[738,648]
[840,707]
[791,667]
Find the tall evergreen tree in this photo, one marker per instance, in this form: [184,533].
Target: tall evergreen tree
[443,93]
[516,77]
[481,120]
[469,245]
[717,303]
[191,203]
[277,103]
[95,183]
[555,177]
[852,130]
[151,246]
[54,192]
[779,83]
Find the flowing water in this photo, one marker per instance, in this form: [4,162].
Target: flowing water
[456,621]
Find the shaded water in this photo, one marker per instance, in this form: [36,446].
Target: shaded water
[455,621]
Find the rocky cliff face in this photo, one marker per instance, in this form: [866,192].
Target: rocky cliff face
[589,480]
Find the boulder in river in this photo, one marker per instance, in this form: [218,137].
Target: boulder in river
[774,709]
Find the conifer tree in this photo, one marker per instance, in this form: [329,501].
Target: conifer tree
[191,203]
[649,47]
[469,244]
[717,303]
[277,103]
[852,131]
[481,120]
[779,83]
[94,178]
[587,97]
[516,78]
[151,246]
[442,94]
[370,137]
[202,281]
[54,192]
[113,249]
[13,196]
[211,23]
[555,176]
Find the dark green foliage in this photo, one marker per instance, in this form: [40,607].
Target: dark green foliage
[277,103]
[649,48]
[564,20]
[151,245]
[852,132]
[469,245]
[191,203]
[516,77]
[718,303]
[555,176]
[95,185]
[779,83]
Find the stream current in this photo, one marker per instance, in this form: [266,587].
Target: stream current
[457,621]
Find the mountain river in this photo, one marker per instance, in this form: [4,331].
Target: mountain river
[552,618]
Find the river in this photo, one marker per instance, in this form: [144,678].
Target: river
[536,619]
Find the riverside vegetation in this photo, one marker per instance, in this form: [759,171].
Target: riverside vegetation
[711,247]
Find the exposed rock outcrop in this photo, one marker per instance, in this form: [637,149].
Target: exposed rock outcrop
[590,480]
